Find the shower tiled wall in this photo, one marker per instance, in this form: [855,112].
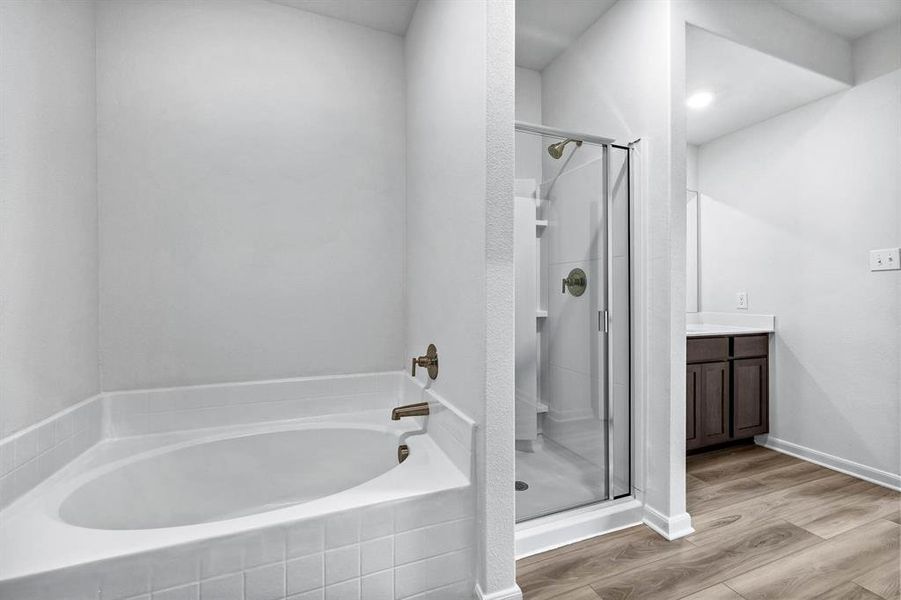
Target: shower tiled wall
[576,238]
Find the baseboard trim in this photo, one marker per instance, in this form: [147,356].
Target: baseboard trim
[511,593]
[672,528]
[562,529]
[848,467]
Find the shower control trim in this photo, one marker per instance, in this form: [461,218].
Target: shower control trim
[577,281]
[428,361]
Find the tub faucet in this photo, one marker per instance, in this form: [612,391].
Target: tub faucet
[410,410]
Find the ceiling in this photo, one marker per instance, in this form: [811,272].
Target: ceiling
[749,86]
[392,16]
[545,29]
[848,18]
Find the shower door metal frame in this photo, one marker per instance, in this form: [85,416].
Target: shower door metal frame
[610,313]
[606,144]
[561,133]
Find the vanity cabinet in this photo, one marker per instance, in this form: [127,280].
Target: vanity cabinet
[749,397]
[726,389]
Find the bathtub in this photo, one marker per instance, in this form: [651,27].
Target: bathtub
[315,507]
[230,475]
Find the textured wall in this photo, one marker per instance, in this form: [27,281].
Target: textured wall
[48,210]
[251,162]
[496,447]
[459,271]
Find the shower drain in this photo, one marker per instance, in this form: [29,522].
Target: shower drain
[521,486]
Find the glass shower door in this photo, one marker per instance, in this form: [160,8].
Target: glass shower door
[571,244]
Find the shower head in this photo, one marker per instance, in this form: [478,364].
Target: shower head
[556,150]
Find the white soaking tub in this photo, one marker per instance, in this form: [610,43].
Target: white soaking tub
[230,476]
[316,506]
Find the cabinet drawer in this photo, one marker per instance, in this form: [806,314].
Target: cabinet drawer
[707,349]
[750,346]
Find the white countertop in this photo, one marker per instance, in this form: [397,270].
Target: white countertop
[710,323]
[705,329]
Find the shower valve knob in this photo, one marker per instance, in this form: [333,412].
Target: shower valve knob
[429,361]
[577,281]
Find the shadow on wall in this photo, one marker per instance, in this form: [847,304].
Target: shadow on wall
[793,379]
[791,207]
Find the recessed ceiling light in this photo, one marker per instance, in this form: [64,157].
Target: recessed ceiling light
[699,100]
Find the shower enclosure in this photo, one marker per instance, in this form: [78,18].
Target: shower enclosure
[573,410]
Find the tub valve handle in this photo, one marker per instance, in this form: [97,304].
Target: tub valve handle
[428,361]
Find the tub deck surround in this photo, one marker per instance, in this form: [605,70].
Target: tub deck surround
[141,412]
[32,455]
[407,532]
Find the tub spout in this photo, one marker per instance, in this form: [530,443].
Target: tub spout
[410,410]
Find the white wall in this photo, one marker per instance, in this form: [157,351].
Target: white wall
[528,108]
[691,170]
[602,85]
[48,210]
[459,224]
[445,269]
[251,162]
[497,569]
[790,209]
[529,149]
[691,229]
[877,53]
[775,31]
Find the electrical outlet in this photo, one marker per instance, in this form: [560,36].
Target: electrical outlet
[741,301]
[888,259]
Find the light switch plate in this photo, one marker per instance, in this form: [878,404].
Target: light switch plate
[888,259]
[741,300]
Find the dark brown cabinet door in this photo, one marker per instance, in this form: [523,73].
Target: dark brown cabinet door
[750,391]
[692,406]
[714,403]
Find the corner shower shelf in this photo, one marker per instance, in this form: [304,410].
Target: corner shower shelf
[540,225]
[541,407]
[541,314]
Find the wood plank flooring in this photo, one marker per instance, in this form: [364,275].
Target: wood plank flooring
[767,526]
